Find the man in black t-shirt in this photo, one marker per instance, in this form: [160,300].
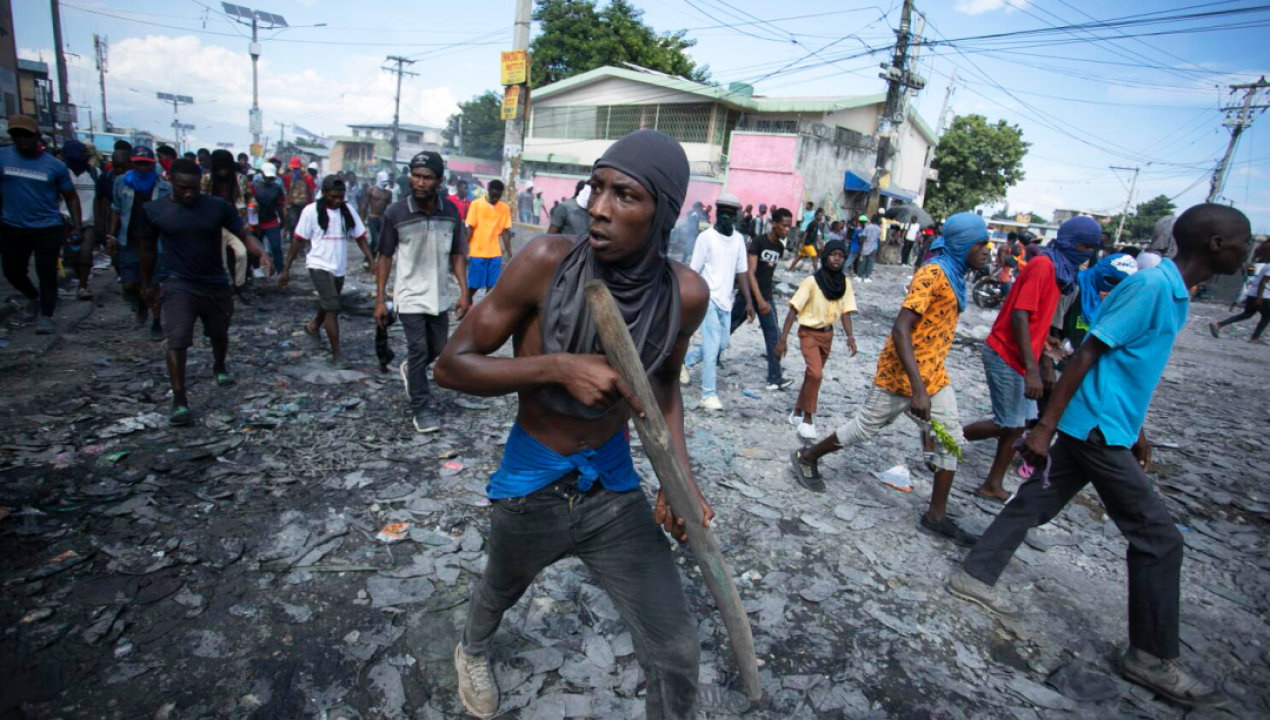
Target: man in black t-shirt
[189,225]
[764,252]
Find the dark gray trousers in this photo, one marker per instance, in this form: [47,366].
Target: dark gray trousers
[425,339]
[1155,545]
[614,536]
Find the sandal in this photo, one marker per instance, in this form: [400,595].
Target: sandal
[807,473]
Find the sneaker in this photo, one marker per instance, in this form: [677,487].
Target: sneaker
[224,379]
[427,421]
[32,311]
[947,529]
[478,691]
[772,386]
[795,418]
[1215,329]
[181,415]
[84,294]
[156,331]
[786,384]
[711,402]
[807,431]
[685,377]
[808,474]
[962,585]
[1167,678]
[405,376]
[45,326]
[868,280]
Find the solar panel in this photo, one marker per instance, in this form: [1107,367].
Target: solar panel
[185,99]
[275,20]
[236,11]
[166,97]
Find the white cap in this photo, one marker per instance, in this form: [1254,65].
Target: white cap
[268,170]
[313,166]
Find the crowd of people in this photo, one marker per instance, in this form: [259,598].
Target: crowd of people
[1079,344]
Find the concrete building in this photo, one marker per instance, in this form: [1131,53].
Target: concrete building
[782,151]
[1062,216]
[368,148]
[8,65]
[35,93]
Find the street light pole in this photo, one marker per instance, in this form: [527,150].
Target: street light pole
[254,48]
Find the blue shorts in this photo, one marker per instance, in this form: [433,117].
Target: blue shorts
[483,272]
[1010,407]
[130,266]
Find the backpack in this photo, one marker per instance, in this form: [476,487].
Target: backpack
[267,199]
[298,193]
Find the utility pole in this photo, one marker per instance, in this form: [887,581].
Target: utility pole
[1237,124]
[396,111]
[101,45]
[63,93]
[899,79]
[939,131]
[514,130]
[254,119]
[282,132]
[177,101]
[1133,189]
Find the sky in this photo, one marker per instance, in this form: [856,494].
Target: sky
[1151,102]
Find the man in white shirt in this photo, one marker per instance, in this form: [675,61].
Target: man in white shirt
[719,257]
[327,225]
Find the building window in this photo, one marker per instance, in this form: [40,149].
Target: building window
[413,138]
[685,122]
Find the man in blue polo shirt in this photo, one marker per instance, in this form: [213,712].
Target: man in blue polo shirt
[31,183]
[1097,409]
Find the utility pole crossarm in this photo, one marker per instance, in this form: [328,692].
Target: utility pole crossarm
[1237,119]
[396,113]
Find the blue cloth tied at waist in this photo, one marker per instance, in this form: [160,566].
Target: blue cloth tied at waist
[529,466]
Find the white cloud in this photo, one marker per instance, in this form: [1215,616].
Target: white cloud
[979,7]
[219,80]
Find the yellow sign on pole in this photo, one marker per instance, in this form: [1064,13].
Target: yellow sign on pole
[515,67]
[257,150]
[511,104]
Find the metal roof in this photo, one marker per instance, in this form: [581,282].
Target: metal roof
[734,96]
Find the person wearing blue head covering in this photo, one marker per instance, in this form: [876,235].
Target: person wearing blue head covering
[911,376]
[1012,356]
[1099,280]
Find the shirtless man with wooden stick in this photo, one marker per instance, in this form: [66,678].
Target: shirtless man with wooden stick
[567,485]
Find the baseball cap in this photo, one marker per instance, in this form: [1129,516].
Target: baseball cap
[142,154]
[313,166]
[865,218]
[23,122]
[296,162]
[268,170]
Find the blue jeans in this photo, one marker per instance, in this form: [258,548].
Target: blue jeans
[769,324]
[273,243]
[714,340]
[866,264]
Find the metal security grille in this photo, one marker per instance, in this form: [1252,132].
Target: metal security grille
[685,122]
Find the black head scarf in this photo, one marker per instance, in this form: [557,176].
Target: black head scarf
[833,283]
[644,285]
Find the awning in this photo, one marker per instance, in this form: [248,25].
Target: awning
[898,195]
[855,183]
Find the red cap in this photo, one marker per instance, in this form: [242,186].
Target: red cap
[296,162]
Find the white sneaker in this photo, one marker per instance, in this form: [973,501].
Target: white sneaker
[773,386]
[711,402]
[794,418]
[807,431]
[868,280]
[684,376]
[405,376]
[478,691]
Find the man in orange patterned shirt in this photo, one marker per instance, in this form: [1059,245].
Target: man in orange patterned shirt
[911,375]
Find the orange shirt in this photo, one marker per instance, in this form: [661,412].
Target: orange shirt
[933,298]
[487,222]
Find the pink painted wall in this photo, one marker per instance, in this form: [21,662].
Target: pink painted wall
[475,166]
[761,170]
[702,191]
[553,187]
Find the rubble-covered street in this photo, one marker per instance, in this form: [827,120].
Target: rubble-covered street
[300,552]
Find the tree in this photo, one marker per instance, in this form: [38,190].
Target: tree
[977,163]
[577,37]
[1141,224]
[482,128]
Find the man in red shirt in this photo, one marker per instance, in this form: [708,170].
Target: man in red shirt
[1011,357]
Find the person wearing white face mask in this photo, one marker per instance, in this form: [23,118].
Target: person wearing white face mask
[571,217]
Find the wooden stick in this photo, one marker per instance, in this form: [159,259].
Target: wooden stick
[655,434]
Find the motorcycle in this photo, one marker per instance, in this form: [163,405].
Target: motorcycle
[987,291]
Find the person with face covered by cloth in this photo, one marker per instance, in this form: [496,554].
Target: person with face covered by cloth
[567,485]
[720,258]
